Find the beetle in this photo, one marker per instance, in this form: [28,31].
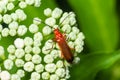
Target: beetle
[66,52]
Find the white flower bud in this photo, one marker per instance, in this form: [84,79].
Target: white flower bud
[21,15]
[45,50]
[54,77]
[36,59]
[19,43]
[33,28]
[14,16]
[71,44]
[75,30]
[11,56]
[12,32]
[37,3]
[56,13]
[76,60]
[22,29]
[50,21]
[59,64]
[81,36]
[11,49]
[28,57]
[28,41]
[19,62]
[10,6]
[54,53]
[38,36]
[15,77]
[21,73]
[37,43]
[45,75]
[36,50]
[5,32]
[7,19]
[66,28]
[22,5]
[8,64]
[50,67]
[47,12]
[13,25]
[19,53]
[28,66]
[29,2]
[35,76]
[60,72]
[72,21]
[5,75]
[78,48]
[36,21]
[1,51]
[28,49]
[48,59]
[46,30]
[72,36]
[39,68]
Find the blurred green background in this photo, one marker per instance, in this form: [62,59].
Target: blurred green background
[99,20]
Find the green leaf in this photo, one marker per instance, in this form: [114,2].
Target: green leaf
[99,22]
[92,63]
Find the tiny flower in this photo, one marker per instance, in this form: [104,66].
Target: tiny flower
[45,50]
[54,77]
[37,3]
[45,75]
[39,68]
[50,21]
[56,13]
[59,64]
[12,32]
[66,28]
[29,2]
[13,25]
[28,41]
[48,58]
[10,6]
[71,44]
[36,21]
[11,57]
[33,28]
[1,27]
[28,49]
[36,50]
[7,19]
[14,16]
[22,5]
[15,77]
[38,36]
[21,15]
[8,64]
[54,53]
[50,67]
[47,12]
[60,72]
[19,62]
[76,60]
[5,32]
[46,30]
[28,57]
[5,75]
[35,76]
[19,43]
[28,66]
[21,73]
[78,48]
[36,59]
[19,53]
[72,36]
[75,30]
[22,29]
[37,43]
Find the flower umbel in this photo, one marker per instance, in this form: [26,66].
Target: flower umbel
[38,54]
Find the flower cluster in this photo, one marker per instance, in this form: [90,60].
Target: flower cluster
[37,55]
